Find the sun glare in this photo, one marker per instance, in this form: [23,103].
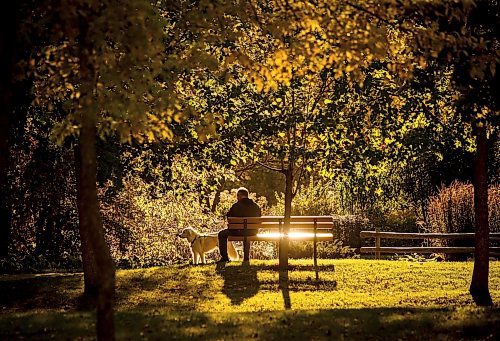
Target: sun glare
[294,235]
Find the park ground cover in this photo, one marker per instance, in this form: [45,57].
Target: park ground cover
[351,299]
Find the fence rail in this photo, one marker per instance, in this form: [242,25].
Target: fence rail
[378,235]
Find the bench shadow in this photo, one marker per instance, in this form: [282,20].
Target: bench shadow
[240,282]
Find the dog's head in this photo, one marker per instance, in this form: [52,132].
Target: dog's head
[188,233]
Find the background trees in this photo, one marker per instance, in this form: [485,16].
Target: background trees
[375,99]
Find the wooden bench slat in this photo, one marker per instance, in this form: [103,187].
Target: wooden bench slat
[276,219]
[292,237]
[267,225]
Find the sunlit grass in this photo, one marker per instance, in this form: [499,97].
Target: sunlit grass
[352,298]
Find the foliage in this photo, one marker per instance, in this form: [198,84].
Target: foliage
[313,198]
[278,81]
[451,210]
[142,230]
[42,194]
[333,249]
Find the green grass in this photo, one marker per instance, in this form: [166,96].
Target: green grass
[353,299]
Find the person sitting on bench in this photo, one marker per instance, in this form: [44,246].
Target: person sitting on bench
[244,207]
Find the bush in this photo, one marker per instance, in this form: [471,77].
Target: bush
[142,230]
[452,209]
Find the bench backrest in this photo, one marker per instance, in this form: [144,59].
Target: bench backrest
[276,222]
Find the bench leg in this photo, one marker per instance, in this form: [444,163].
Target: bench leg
[316,259]
[246,251]
[315,254]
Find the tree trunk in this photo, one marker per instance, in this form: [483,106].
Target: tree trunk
[479,284]
[216,201]
[8,31]
[4,187]
[91,229]
[90,270]
[284,242]
[90,220]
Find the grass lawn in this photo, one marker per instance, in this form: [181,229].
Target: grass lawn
[353,299]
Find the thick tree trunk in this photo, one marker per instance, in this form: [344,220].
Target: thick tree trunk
[4,187]
[479,284]
[90,220]
[284,242]
[90,270]
[8,31]
[91,229]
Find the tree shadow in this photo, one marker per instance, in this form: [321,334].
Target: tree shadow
[23,292]
[331,324]
[384,323]
[284,287]
[240,282]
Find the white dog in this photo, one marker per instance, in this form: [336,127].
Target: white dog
[204,243]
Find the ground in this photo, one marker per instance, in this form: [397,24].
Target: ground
[352,299]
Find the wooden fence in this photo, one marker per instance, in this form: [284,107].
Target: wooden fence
[378,235]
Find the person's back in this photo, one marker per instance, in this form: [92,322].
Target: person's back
[244,207]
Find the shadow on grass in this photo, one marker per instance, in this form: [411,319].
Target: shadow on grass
[355,324]
[240,282]
[161,288]
[41,291]
[162,304]
[284,287]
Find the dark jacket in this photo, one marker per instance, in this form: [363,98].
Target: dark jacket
[244,208]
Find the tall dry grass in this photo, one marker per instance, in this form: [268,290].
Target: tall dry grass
[452,208]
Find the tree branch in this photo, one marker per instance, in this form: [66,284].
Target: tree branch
[270,167]
[376,16]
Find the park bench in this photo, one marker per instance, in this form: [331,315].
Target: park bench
[273,229]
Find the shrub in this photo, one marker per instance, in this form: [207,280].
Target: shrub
[142,230]
[452,209]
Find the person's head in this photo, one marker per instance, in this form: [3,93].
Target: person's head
[241,193]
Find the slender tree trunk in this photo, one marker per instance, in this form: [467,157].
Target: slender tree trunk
[91,229]
[216,201]
[479,284]
[284,242]
[90,270]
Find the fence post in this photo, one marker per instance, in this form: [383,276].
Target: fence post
[377,244]
[315,243]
